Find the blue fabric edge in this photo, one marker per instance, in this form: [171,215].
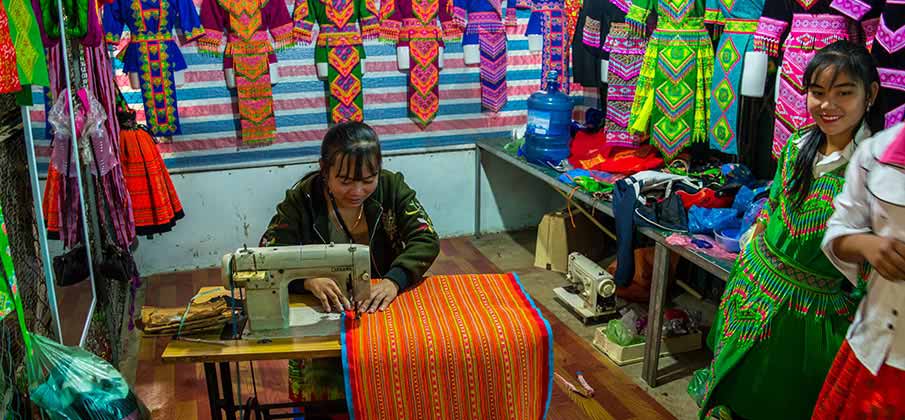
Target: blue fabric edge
[550,342]
[346,378]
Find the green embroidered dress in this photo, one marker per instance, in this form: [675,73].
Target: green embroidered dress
[672,98]
[783,315]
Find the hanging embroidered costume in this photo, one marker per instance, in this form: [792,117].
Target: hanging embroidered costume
[626,51]
[739,21]
[814,25]
[343,24]
[470,346]
[60,193]
[97,151]
[889,50]
[672,98]
[485,29]
[588,46]
[153,52]
[9,287]
[555,21]
[244,24]
[784,314]
[413,24]
[155,204]
[9,75]
[77,17]
[30,58]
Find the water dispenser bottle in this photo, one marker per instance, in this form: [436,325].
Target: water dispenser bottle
[547,136]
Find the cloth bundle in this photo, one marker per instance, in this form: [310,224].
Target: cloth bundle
[208,311]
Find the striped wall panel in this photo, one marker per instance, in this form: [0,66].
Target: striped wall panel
[210,122]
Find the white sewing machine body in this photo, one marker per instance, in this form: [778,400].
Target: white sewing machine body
[591,292]
[265,274]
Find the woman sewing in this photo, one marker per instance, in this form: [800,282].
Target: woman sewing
[351,199]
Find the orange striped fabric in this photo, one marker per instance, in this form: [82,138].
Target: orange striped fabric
[454,347]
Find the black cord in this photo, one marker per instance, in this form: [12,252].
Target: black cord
[339,218]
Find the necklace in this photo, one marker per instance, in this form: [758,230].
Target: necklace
[357,219]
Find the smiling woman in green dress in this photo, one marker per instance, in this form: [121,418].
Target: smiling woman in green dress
[784,314]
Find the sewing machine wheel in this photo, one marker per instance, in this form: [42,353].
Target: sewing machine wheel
[606,287]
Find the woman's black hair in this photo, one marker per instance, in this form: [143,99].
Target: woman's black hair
[840,57]
[354,147]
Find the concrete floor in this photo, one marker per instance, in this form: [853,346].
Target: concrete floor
[514,251]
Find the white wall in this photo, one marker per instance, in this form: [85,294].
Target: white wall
[226,209]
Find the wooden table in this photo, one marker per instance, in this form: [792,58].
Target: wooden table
[662,250]
[219,354]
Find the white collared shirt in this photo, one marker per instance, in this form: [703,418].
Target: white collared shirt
[828,163]
[873,200]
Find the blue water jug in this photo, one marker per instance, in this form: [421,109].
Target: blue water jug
[549,117]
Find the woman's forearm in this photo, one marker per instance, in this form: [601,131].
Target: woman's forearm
[850,248]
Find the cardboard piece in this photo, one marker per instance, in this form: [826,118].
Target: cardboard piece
[556,238]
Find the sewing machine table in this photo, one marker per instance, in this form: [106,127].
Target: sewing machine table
[220,395]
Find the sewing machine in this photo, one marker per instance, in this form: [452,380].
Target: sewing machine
[265,273]
[591,293]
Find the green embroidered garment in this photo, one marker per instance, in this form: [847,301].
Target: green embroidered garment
[784,314]
[9,288]
[672,98]
[30,59]
[343,27]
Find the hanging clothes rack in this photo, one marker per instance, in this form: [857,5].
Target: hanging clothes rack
[83,178]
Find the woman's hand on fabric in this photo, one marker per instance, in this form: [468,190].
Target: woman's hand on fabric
[886,255]
[382,294]
[326,290]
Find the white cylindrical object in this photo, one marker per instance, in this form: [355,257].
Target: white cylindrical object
[535,42]
[230,76]
[274,74]
[604,70]
[321,70]
[472,54]
[402,58]
[776,83]
[754,74]
[133,81]
[179,78]
[440,58]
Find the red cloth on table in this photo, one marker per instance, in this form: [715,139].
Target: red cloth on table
[851,392]
[589,151]
[705,198]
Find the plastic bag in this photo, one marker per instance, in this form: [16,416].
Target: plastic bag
[697,386]
[751,214]
[706,221]
[69,383]
[743,199]
[619,334]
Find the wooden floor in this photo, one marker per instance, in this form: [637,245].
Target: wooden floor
[179,392]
